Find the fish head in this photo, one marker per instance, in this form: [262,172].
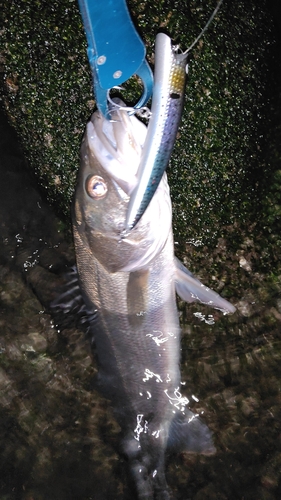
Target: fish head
[110,156]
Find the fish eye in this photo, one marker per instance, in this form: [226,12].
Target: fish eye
[96,187]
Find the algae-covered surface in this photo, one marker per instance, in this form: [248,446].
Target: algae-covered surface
[221,164]
[58,437]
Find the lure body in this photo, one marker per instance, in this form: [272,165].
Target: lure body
[166,111]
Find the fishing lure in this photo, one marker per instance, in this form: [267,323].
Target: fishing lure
[166,111]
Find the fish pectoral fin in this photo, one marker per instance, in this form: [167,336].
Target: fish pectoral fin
[188,433]
[69,308]
[191,289]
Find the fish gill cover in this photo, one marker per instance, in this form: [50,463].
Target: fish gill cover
[220,165]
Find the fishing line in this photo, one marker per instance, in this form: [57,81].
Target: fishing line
[205,27]
[144,112]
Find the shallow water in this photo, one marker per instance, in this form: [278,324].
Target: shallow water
[58,438]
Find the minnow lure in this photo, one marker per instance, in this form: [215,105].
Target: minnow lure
[166,111]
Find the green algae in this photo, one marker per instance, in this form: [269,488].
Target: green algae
[48,89]
[221,164]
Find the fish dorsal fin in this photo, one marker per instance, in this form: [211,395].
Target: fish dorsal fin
[191,289]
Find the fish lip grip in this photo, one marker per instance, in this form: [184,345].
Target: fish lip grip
[115,50]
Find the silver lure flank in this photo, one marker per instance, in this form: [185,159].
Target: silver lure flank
[166,111]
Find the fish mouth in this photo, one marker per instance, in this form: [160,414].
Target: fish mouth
[117,144]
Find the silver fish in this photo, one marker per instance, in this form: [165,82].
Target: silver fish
[132,283]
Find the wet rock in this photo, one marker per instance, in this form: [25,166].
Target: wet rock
[244,308]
